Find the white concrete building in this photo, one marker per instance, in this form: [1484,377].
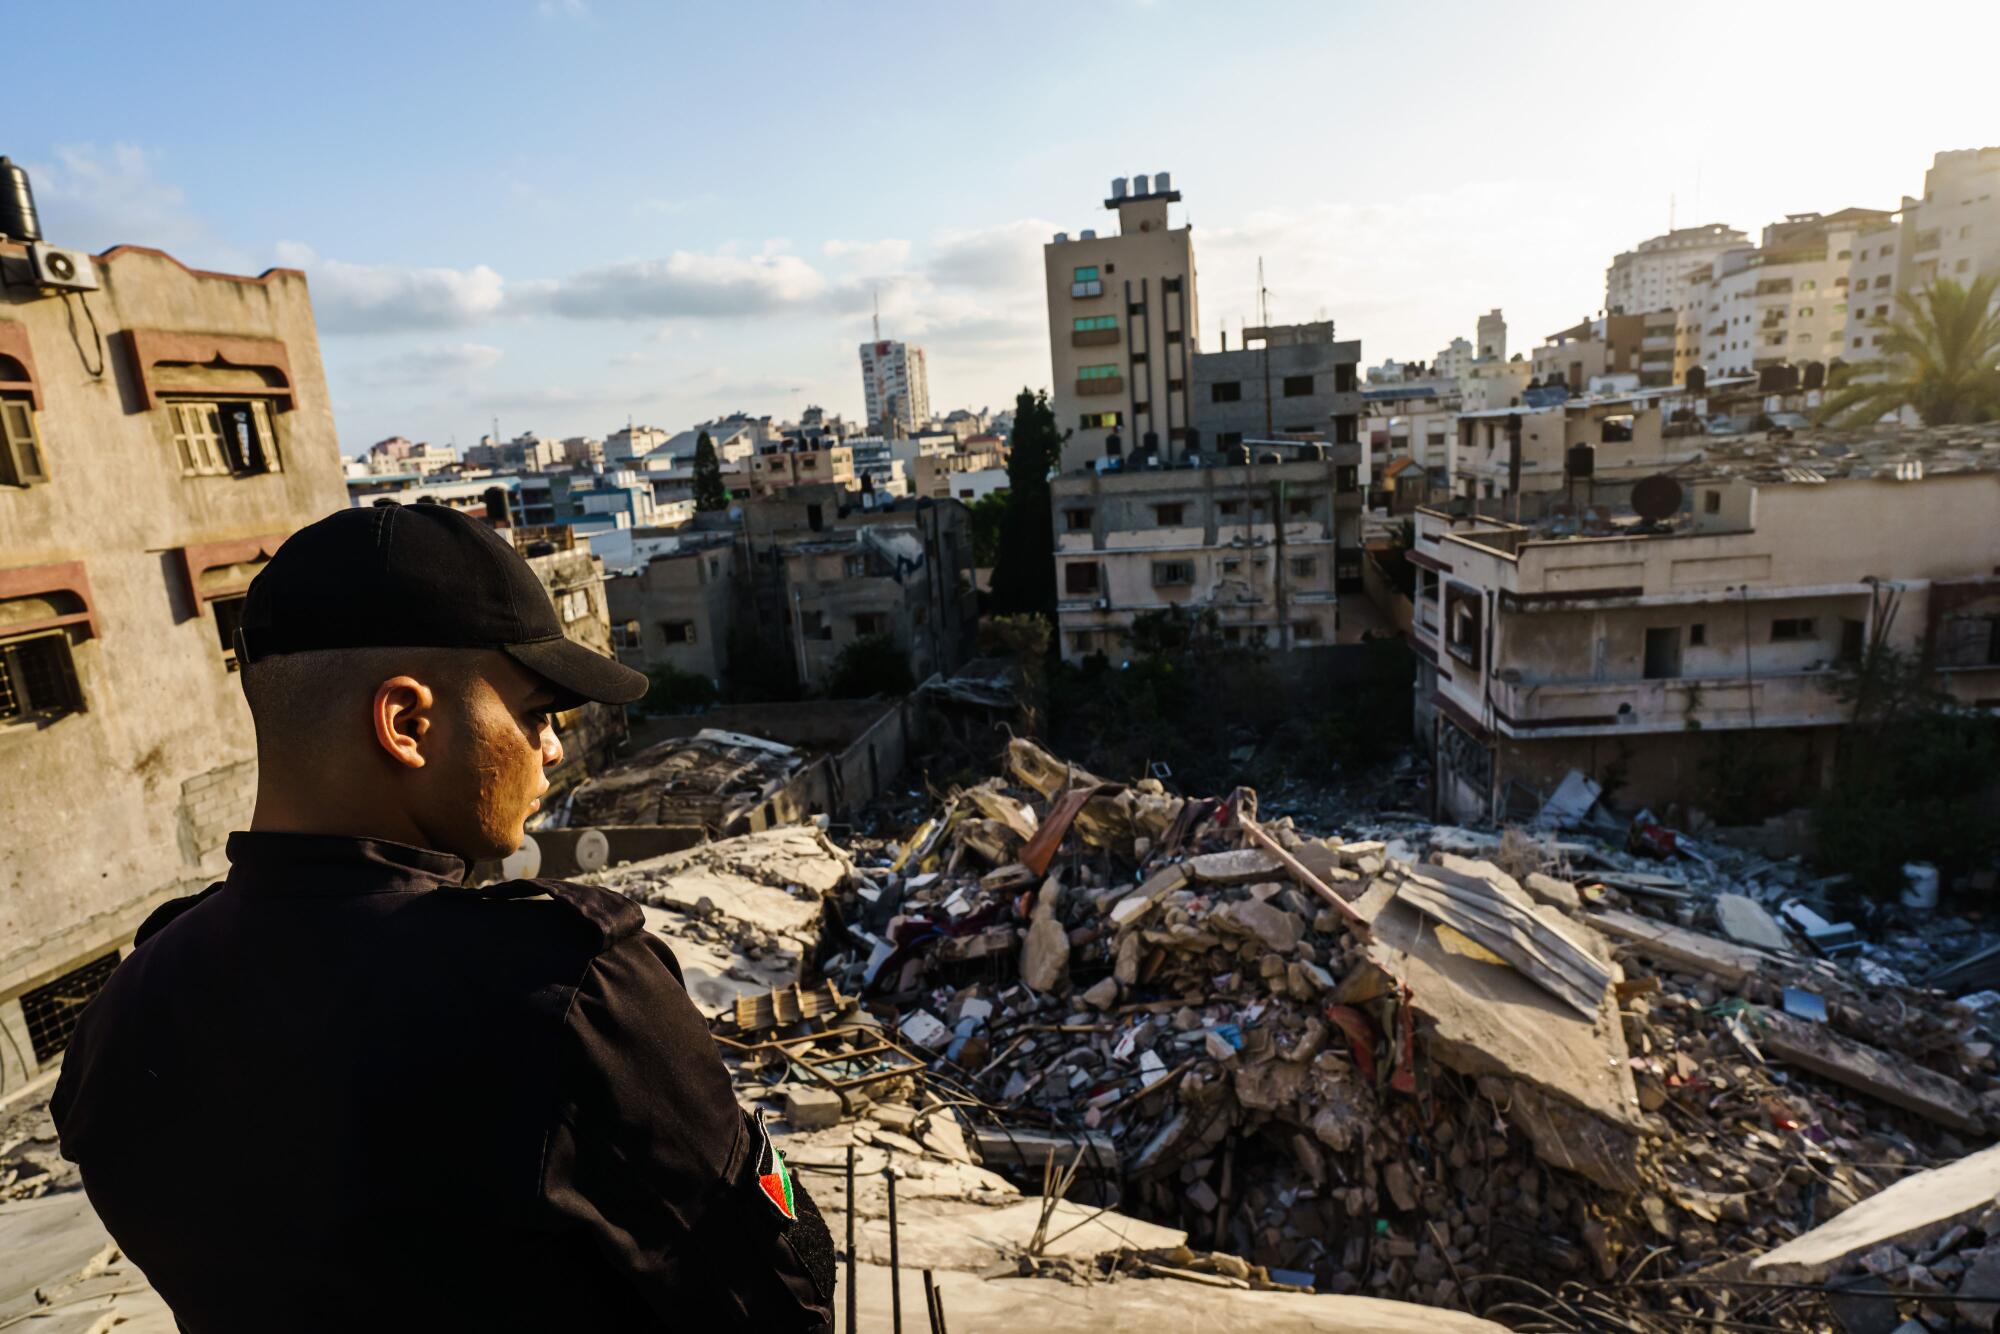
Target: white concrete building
[1787,301]
[895,387]
[1952,232]
[1662,273]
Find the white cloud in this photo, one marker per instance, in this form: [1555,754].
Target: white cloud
[436,363]
[93,198]
[686,283]
[1006,257]
[388,298]
[869,257]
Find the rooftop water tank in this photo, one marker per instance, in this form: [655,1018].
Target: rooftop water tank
[1086,235]
[1061,237]
[1117,187]
[1139,185]
[17,204]
[1162,182]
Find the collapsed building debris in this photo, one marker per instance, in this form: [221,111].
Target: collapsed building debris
[1498,1074]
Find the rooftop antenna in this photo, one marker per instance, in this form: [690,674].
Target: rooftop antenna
[1263,296]
[878,314]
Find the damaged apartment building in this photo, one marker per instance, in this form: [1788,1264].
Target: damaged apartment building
[1630,647]
[805,574]
[1227,481]
[164,431]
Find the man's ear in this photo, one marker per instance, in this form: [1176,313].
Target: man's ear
[401,713]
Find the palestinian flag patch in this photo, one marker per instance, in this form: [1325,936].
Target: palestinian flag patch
[777,1186]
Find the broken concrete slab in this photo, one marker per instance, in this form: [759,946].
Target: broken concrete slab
[1501,917]
[748,878]
[1020,1146]
[1556,893]
[1900,1083]
[1045,949]
[1744,921]
[1241,866]
[974,1305]
[1679,948]
[1484,1020]
[1912,1213]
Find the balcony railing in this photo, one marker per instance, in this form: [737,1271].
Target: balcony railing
[1671,704]
[1094,337]
[1109,384]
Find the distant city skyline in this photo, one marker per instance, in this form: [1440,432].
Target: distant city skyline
[569,213]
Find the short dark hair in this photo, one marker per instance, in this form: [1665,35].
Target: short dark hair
[298,697]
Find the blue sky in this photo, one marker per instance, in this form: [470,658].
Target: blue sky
[562,213]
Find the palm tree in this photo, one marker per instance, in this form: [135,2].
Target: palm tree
[1942,352]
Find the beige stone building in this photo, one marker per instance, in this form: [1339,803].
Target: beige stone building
[1267,545]
[1635,654]
[776,467]
[1952,231]
[1123,325]
[1586,452]
[978,469]
[152,465]
[679,609]
[1606,345]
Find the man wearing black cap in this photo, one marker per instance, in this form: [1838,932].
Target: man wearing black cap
[341,1091]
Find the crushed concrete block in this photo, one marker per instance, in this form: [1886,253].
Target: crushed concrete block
[1744,921]
[1908,1214]
[812,1108]
[1556,893]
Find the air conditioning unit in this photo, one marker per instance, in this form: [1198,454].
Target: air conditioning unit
[64,270]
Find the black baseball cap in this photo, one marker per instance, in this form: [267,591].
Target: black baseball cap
[419,576]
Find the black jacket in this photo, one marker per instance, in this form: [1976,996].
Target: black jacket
[340,1091]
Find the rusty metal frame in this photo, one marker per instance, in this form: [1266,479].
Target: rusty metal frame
[797,1053]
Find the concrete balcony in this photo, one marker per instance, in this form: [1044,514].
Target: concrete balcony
[1677,704]
[1976,687]
[1095,337]
[1111,384]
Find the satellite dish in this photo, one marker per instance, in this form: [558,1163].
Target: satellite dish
[524,862]
[593,850]
[1656,497]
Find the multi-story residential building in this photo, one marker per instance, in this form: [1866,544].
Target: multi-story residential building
[147,471]
[1495,384]
[525,452]
[1638,653]
[821,572]
[1492,340]
[1268,545]
[1608,345]
[1291,379]
[1785,302]
[969,473]
[583,451]
[1415,420]
[678,609]
[895,387]
[1586,451]
[1454,361]
[799,464]
[1664,273]
[397,455]
[628,443]
[1123,328]
[1952,232]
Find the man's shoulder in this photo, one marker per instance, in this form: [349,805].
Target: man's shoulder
[167,913]
[603,918]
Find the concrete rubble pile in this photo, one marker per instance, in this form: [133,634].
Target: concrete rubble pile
[1496,1074]
[707,781]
